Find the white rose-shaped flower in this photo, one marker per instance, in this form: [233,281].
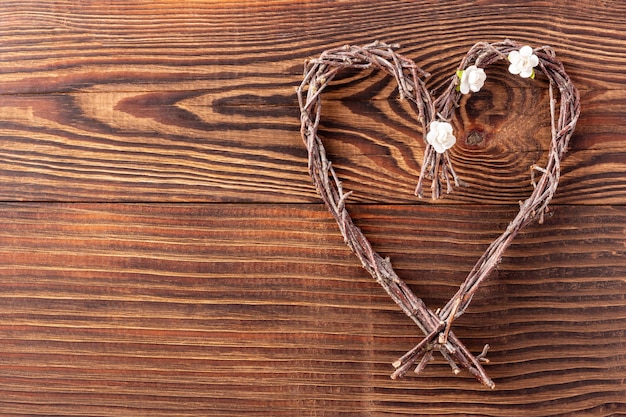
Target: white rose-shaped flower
[440,136]
[472,79]
[523,62]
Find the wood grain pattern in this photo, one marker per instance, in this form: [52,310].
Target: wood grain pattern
[205,110]
[164,254]
[178,310]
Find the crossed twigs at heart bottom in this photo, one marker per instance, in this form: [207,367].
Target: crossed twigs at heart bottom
[436,326]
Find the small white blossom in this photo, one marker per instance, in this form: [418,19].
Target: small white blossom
[472,79]
[440,136]
[523,62]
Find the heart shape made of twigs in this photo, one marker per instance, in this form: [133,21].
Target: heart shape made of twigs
[436,165]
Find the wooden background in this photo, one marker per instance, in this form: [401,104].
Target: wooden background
[163,253]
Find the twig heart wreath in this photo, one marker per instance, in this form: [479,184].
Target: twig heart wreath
[435,120]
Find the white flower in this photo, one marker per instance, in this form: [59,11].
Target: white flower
[472,79]
[440,136]
[523,62]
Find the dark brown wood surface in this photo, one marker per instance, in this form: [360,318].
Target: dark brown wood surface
[163,253]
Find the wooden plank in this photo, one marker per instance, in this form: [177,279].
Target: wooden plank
[237,309]
[131,103]
[62,46]
[115,147]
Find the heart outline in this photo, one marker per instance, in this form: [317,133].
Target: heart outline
[317,75]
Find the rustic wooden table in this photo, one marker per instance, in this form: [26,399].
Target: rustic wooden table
[163,252]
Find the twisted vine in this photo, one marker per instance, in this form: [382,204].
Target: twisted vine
[436,326]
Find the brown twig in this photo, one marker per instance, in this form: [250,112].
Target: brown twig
[319,72]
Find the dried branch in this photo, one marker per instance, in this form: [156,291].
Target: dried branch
[319,72]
